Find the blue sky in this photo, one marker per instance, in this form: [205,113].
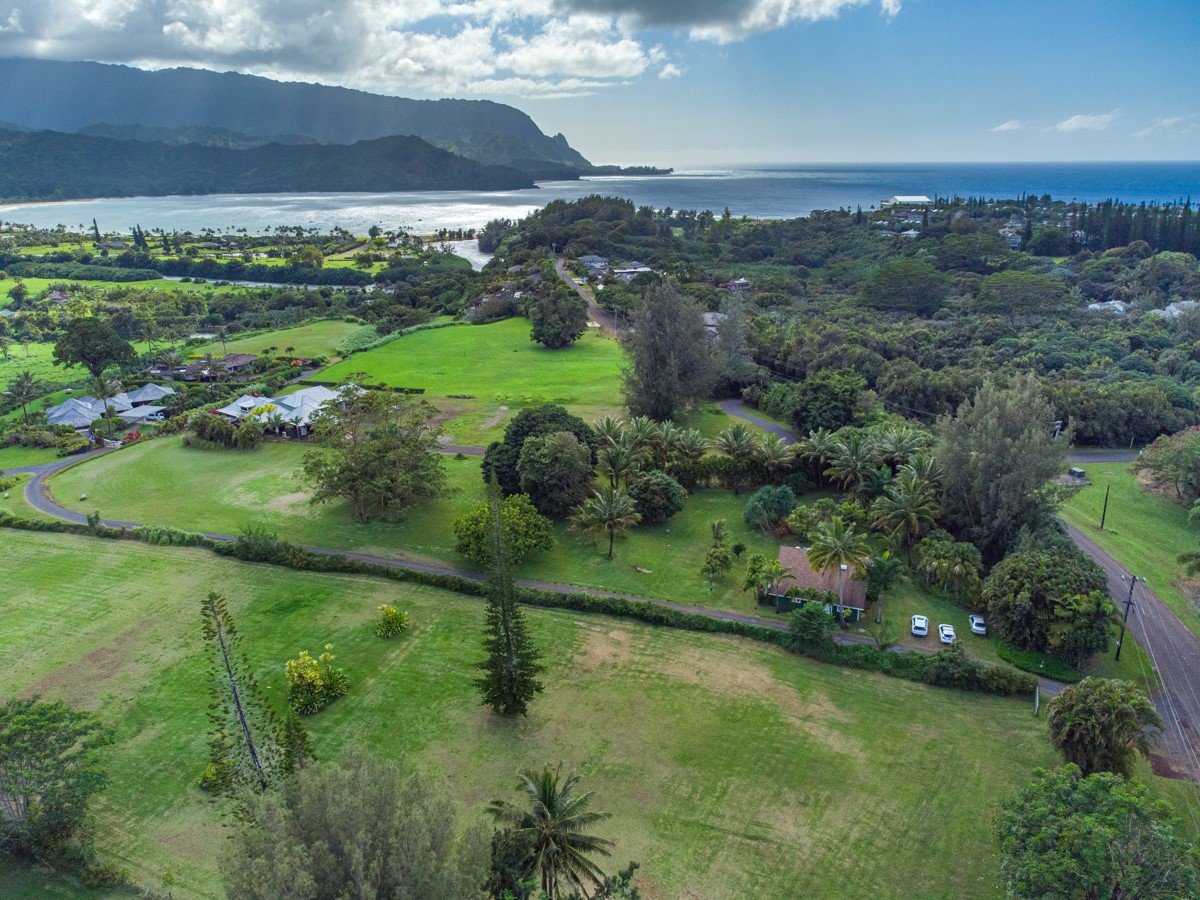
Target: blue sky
[688,82]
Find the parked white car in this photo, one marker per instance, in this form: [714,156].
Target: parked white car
[920,626]
[946,634]
[978,625]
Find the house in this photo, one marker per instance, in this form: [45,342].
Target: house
[1174,310]
[133,407]
[58,297]
[739,285]
[595,265]
[912,234]
[1012,239]
[632,270]
[236,365]
[905,200]
[1116,307]
[296,410]
[850,592]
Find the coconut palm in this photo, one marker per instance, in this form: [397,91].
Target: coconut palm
[739,445]
[837,544]
[690,447]
[925,468]
[897,446]
[849,461]
[720,532]
[24,390]
[907,509]
[775,456]
[556,820]
[818,447]
[608,430]
[104,388]
[952,566]
[171,359]
[609,510]
[643,432]
[874,483]
[618,463]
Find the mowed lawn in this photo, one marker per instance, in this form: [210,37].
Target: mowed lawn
[731,769]
[495,370]
[321,338]
[38,358]
[1143,531]
[162,482]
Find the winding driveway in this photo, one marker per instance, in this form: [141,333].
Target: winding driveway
[596,313]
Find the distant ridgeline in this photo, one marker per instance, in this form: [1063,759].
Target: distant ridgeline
[191,106]
[49,165]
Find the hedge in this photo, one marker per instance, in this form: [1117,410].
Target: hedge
[1037,663]
[945,669]
[394,335]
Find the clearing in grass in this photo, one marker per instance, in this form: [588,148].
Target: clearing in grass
[731,769]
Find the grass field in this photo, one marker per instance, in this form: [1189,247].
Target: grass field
[731,769]
[37,285]
[13,457]
[499,369]
[1144,532]
[38,358]
[321,338]
[162,482]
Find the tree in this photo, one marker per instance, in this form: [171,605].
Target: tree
[556,820]
[769,507]
[500,460]
[907,509]
[19,292]
[954,566]
[739,447]
[827,398]
[609,510]
[733,356]
[809,629]
[24,389]
[555,471]
[1173,460]
[309,256]
[372,828]
[295,744]
[1032,599]
[378,451]
[510,672]
[839,545]
[1067,835]
[1101,724]
[526,531]
[49,772]
[657,496]
[907,285]
[93,344]
[998,454]
[1023,294]
[671,365]
[243,748]
[559,318]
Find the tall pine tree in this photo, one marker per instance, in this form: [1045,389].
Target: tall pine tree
[509,679]
[243,747]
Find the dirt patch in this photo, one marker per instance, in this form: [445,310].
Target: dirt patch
[286,503]
[494,420]
[84,680]
[603,649]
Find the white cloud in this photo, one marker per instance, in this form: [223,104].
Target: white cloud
[537,48]
[1170,125]
[1084,122]
[1010,125]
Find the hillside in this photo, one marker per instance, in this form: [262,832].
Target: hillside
[52,165]
[189,134]
[69,96]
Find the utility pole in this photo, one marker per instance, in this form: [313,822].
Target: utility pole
[1133,580]
[1104,511]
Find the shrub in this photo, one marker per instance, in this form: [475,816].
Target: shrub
[314,683]
[526,530]
[657,496]
[809,630]
[391,622]
[69,446]
[209,428]
[169,537]
[248,435]
[768,507]
[1037,663]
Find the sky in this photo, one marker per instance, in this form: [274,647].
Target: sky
[686,83]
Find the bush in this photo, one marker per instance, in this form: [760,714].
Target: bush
[391,622]
[248,435]
[69,446]
[526,530]
[211,429]
[170,537]
[768,507]
[1037,663]
[314,683]
[809,630]
[657,496]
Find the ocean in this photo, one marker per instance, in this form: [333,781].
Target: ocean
[777,191]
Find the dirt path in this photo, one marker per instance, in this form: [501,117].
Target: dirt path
[596,313]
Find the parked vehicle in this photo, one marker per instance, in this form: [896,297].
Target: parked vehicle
[978,625]
[920,626]
[946,634]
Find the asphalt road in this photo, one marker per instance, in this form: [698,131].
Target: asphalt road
[596,313]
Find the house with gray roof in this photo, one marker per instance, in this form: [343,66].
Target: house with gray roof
[297,409]
[133,408]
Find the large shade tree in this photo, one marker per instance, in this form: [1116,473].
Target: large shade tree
[671,366]
[92,343]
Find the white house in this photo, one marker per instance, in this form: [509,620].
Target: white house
[632,270]
[297,409]
[1116,307]
[905,200]
[1174,310]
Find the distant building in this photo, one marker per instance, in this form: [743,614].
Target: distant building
[739,285]
[1174,310]
[595,265]
[1115,307]
[911,234]
[632,270]
[1012,239]
[712,320]
[905,200]
[295,411]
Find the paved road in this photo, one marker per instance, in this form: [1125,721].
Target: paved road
[1175,653]
[1102,456]
[596,313]
[739,410]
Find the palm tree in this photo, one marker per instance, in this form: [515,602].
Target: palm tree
[774,455]
[906,510]
[849,461]
[24,390]
[720,532]
[643,432]
[739,446]
[1102,724]
[171,359]
[608,430]
[818,447]
[690,447]
[611,510]
[952,566]
[556,822]
[618,463]
[839,547]
[925,468]
[104,388]
[897,446]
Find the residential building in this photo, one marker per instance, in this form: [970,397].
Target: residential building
[850,592]
[141,405]
[296,410]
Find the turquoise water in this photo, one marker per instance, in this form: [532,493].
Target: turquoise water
[759,192]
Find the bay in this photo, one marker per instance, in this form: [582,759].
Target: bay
[779,191]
